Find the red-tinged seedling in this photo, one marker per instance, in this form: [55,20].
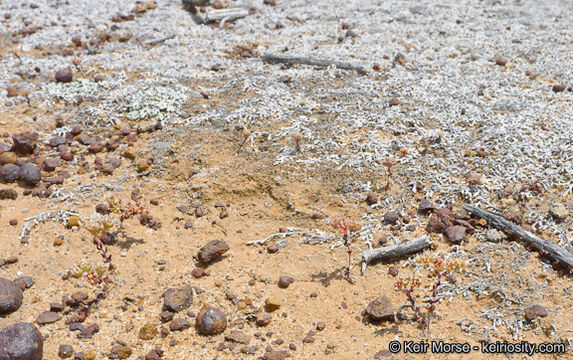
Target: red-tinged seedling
[388,163]
[297,140]
[98,225]
[407,286]
[95,275]
[438,267]
[346,227]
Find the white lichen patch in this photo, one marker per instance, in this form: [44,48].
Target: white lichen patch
[155,102]
[71,91]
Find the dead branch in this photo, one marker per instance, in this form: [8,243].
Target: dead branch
[554,251]
[293,60]
[159,40]
[225,15]
[394,251]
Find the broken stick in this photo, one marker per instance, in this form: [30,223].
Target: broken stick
[292,60]
[225,15]
[394,251]
[556,252]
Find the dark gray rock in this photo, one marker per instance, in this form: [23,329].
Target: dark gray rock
[211,321]
[21,341]
[178,299]
[65,351]
[10,296]
[456,234]
[10,173]
[30,174]
[48,317]
[380,309]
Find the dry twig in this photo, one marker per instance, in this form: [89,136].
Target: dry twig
[292,60]
[394,251]
[556,252]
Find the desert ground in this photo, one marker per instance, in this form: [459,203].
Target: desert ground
[169,192]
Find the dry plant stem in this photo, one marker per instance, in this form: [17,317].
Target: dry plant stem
[293,60]
[394,251]
[347,244]
[225,15]
[412,301]
[103,250]
[555,251]
[434,300]
[158,41]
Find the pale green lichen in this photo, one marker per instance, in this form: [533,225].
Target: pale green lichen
[155,102]
[71,91]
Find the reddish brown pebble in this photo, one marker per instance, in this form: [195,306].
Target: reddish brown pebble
[155,354]
[534,311]
[393,270]
[166,315]
[559,88]
[95,147]
[57,307]
[179,324]
[64,75]
[163,332]
[285,281]
[426,206]
[394,101]
[66,155]
[308,339]
[198,272]
[380,309]
[212,251]
[8,194]
[13,222]
[320,325]
[501,61]
[371,199]
[273,248]
[263,319]
[391,217]
[456,234]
